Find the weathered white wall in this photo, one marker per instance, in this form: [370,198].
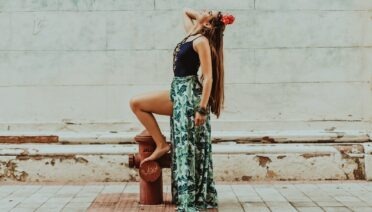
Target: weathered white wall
[289,64]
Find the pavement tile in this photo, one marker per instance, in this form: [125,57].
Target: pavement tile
[230,209]
[59,199]
[36,199]
[244,196]
[48,209]
[320,197]
[309,209]
[67,209]
[83,199]
[282,209]
[78,204]
[256,208]
[293,195]
[361,209]
[115,188]
[86,194]
[336,209]
[354,203]
[304,204]
[26,209]
[349,198]
[254,204]
[29,204]
[249,197]
[329,203]
[278,204]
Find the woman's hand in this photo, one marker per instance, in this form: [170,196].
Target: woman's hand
[188,16]
[199,119]
[191,13]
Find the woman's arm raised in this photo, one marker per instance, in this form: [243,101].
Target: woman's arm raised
[188,16]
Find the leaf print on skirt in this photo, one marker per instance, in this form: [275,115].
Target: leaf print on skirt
[192,184]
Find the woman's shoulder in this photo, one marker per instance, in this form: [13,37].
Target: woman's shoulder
[200,42]
[200,39]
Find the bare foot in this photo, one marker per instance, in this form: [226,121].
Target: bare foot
[159,151]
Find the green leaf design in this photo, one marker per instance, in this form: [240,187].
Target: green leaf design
[192,184]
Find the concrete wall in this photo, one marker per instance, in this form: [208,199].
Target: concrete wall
[304,64]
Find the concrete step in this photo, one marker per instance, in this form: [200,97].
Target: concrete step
[115,137]
[232,162]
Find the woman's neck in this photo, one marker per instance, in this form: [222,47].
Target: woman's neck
[196,28]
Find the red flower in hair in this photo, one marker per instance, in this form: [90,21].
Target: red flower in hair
[227,19]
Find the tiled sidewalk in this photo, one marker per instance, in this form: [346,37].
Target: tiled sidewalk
[250,196]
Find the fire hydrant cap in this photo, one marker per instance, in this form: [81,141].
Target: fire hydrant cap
[150,171]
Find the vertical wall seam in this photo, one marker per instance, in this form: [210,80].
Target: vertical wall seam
[106,34]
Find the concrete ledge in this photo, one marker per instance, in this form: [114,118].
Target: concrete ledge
[217,126]
[368,160]
[272,136]
[232,162]
[28,139]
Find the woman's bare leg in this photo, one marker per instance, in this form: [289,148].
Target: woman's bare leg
[143,106]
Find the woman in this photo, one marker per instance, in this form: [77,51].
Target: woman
[189,104]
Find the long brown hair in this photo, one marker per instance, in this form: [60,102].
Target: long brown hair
[215,38]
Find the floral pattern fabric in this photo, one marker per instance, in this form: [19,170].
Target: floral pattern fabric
[192,183]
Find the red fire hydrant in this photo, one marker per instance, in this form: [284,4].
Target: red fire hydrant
[151,180]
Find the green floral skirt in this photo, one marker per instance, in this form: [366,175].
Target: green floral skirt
[192,185]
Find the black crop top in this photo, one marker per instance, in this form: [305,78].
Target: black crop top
[185,59]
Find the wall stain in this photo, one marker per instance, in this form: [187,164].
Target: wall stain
[312,155]
[246,178]
[281,156]
[267,139]
[271,174]
[11,172]
[263,160]
[359,172]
